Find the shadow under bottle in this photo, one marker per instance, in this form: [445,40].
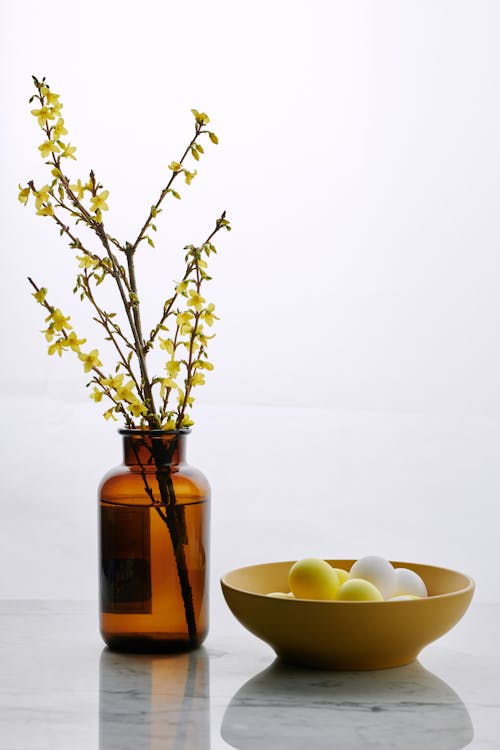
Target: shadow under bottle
[149,702]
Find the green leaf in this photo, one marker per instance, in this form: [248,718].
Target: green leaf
[213,138]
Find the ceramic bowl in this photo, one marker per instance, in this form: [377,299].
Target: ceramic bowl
[345,635]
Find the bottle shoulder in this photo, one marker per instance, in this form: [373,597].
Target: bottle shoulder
[128,485]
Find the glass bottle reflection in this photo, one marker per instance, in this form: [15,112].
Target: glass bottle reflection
[156,702]
[286,708]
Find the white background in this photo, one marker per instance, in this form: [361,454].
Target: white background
[355,405]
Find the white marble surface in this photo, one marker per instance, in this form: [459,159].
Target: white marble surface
[59,688]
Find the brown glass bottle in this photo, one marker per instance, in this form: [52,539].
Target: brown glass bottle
[154,527]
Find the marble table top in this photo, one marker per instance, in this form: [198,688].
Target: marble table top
[60,688]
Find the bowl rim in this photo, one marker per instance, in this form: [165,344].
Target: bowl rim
[469,587]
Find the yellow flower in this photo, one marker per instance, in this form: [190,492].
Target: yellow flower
[173,368]
[114,382]
[137,409]
[86,261]
[47,148]
[125,393]
[187,421]
[109,415]
[198,379]
[184,317]
[96,395]
[78,189]
[56,109]
[175,166]
[58,321]
[181,287]
[72,342]
[195,300]
[46,210]
[204,364]
[42,196]
[184,321]
[167,345]
[189,176]
[59,129]
[24,194]
[208,315]
[40,295]
[50,96]
[67,151]
[43,114]
[90,360]
[202,337]
[99,201]
[57,346]
[200,117]
[169,425]
[180,398]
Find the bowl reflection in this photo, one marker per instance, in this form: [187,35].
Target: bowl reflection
[152,702]
[287,708]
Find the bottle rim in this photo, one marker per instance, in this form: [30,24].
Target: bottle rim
[138,432]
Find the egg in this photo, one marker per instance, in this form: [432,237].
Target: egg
[312,578]
[342,574]
[403,598]
[408,582]
[377,571]
[279,595]
[359,590]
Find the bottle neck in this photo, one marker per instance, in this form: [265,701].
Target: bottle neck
[153,449]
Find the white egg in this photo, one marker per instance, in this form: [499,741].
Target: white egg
[409,582]
[378,571]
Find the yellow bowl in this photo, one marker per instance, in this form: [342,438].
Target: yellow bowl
[345,635]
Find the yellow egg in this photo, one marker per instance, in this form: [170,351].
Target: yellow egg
[343,575]
[359,590]
[278,595]
[312,578]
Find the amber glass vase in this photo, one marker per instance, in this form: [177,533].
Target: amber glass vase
[154,527]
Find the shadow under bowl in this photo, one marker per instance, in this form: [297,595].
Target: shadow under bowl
[343,634]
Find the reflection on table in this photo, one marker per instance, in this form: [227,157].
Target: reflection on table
[286,708]
[152,702]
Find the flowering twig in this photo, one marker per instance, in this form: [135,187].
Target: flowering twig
[85,201]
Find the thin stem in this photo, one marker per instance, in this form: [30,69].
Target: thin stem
[148,394]
[105,322]
[170,303]
[95,369]
[164,192]
[170,513]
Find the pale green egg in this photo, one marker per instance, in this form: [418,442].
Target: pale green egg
[359,590]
